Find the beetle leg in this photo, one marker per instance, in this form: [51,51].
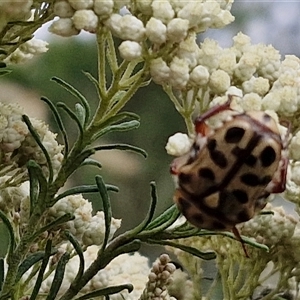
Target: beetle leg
[200,126]
[239,238]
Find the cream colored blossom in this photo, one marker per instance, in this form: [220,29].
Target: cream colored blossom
[79,4]
[219,81]
[199,76]
[103,8]
[85,19]
[162,10]
[177,30]
[258,85]
[131,28]
[63,9]
[156,31]
[63,27]
[178,144]
[34,46]
[179,73]
[130,50]
[159,70]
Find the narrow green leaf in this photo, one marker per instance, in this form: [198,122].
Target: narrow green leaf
[106,208]
[37,175]
[58,276]
[94,81]
[73,116]
[33,187]
[125,126]
[5,72]
[79,251]
[59,123]
[12,242]
[150,212]
[60,220]
[2,272]
[122,147]
[32,259]
[91,162]
[85,189]
[40,277]
[107,291]
[161,219]
[39,142]
[75,93]
[191,250]
[80,113]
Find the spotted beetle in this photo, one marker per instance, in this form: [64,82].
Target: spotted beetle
[230,171]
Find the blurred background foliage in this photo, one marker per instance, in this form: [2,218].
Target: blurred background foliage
[66,59]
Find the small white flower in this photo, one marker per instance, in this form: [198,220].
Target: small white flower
[18,57]
[63,27]
[63,9]
[177,30]
[271,101]
[294,147]
[209,54]
[130,50]
[179,73]
[156,31]
[178,144]
[189,50]
[247,66]
[131,28]
[34,46]
[289,101]
[114,24]
[16,9]
[250,102]
[257,85]
[227,61]
[81,4]
[241,44]
[162,10]
[85,19]
[295,170]
[199,76]
[159,70]
[103,7]
[219,81]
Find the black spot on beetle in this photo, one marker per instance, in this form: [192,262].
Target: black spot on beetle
[234,135]
[196,219]
[243,216]
[250,179]
[206,173]
[217,156]
[240,195]
[184,178]
[267,156]
[183,204]
[218,225]
[265,180]
[250,160]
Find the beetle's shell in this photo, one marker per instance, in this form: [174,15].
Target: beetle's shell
[223,181]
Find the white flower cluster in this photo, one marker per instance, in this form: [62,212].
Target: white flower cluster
[162,23]
[159,279]
[18,145]
[88,229]
[123,269]
[27,51]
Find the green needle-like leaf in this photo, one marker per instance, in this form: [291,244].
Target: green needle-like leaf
[77,94]
[91,162]
[85,189]
[79,251]
[2,273]
[12,243]
[191,250]
[59,123]
[107,291]
[73,116]
[106,208]
[39,142]
[32,259]
[80,113]
[39,280]
[122,147]
[58,276]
